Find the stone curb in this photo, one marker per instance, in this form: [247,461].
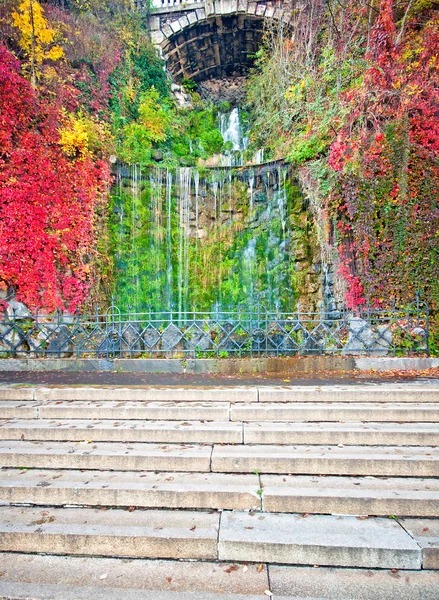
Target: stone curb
[311,364]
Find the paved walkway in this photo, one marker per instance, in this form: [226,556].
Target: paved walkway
[215,380]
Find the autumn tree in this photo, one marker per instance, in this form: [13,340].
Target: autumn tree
[37,38]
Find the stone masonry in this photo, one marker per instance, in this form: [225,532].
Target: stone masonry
[205,40]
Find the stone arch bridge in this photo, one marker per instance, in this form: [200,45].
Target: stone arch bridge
[212,39]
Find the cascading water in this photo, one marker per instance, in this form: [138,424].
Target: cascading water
[198,239]
[233,135]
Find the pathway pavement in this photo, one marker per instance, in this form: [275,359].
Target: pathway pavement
[214,380]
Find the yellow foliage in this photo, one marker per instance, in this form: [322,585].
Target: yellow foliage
[73,136]
[82,135]
[37,37]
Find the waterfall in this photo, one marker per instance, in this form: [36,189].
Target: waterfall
[259,156]
[232,132]
[183,262]
[217,237]
[168,198]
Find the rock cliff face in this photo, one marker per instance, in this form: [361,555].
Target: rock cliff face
[231,90]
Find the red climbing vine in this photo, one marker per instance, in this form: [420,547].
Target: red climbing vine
[47,200]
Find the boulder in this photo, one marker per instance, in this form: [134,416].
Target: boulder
[17,310]
[367,340]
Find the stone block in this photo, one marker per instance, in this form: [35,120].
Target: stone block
[147,394]
[175,26]
[118,488]
[290,583]
[157,37]
[192,17]
[80,578]
[105,456]
[317,540]
[426,534]
[184,21]
[154,23]
[269,12]
[351,495]
[352,433]
[160,411]
[327,460]
[167,31]
[381,393]
[148,534]
[12,392]
[148,365]
[167,432]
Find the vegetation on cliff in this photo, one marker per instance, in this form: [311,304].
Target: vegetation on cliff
[351,98]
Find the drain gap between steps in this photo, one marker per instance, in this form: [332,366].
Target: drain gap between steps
[218,534]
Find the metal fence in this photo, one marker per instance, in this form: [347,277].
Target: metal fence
[240,333]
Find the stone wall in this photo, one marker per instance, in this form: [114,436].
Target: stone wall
[213,39]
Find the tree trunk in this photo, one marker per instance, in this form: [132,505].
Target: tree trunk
[32,54]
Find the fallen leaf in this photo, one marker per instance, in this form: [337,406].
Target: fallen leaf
[261,566]
[231,568]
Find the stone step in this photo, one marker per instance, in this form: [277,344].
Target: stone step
[187,432]
[317,540]
[96,532]
[393,393]
[243,536]
[378,434]
[176,432]
[18,408]
[36,577]
[339,411]
[426,534]
[16,392]
[147,394]
[105,456]
[221,411]
[327,460]
[318,460]
[78,409]
[119,488]
[358,393]
[288,494]
[265,432]
[307,583]
[380,496]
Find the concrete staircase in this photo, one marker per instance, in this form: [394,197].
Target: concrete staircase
[106,491]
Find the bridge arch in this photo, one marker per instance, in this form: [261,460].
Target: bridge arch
[211,39]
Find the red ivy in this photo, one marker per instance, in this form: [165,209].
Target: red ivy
[47,201]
